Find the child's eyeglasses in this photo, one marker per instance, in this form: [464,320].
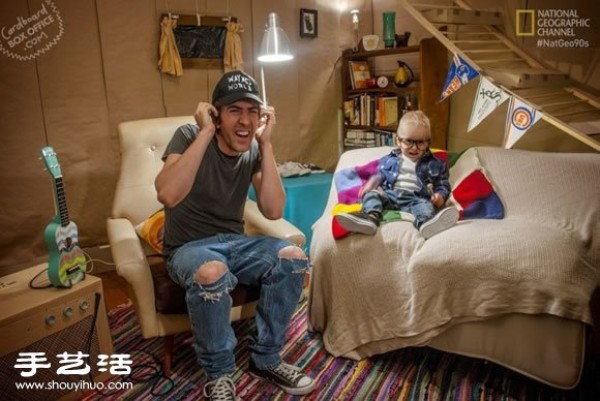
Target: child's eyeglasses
[409,143]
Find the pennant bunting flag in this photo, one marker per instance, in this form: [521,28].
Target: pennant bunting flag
[519,119]
[459,73]
[487,98]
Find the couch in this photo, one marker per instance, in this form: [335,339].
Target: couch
[515,291]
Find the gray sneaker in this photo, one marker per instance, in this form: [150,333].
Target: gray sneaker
[443,220]
[361,223]
[220,389]
[290,378]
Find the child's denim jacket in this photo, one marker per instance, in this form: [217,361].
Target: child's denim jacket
[429,169]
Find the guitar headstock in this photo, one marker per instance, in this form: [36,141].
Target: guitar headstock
[51,161]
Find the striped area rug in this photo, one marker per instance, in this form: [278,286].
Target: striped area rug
[413,374]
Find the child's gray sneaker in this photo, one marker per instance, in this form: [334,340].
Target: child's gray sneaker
[220,389]
[362,223]
[289,378]
[445,219]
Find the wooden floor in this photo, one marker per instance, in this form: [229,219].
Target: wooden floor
[115,289]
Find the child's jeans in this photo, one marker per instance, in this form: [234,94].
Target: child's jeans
[396,199]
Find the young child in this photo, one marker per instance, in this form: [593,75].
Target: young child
[410,179]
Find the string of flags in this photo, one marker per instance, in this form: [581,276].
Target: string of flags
[520,117]
[459,74]
[487,98]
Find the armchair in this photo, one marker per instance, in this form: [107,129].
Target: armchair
[159,302]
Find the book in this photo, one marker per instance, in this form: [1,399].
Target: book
[390,111]
[360,72]
[349,112]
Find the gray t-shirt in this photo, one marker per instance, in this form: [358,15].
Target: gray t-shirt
[215,203]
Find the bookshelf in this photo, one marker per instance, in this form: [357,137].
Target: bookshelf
[366,124]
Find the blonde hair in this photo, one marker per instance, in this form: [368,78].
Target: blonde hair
[413,119]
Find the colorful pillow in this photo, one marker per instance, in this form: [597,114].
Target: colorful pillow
[151,230]
[472,192]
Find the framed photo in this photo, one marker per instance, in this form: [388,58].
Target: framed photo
[309,23]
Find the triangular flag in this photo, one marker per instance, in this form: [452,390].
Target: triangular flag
[519,119]
[487,98]
[459,73]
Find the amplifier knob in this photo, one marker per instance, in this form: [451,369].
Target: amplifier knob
[84,305]
[50,320]
[68,311]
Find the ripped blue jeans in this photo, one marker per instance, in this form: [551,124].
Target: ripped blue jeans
[251,261]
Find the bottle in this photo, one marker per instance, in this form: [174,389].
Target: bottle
[389,29]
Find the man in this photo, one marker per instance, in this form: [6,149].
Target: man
[203,184]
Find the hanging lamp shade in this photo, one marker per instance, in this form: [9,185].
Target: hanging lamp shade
[275,45]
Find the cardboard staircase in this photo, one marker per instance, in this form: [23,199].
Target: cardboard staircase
[478,37]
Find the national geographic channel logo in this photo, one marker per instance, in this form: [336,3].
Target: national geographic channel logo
[30,36]
[554,27]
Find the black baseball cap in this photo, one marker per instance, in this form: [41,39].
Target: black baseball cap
[234,86]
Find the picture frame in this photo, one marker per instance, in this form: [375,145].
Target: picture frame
[309,23]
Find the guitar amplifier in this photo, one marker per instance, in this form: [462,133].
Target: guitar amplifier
[50,322]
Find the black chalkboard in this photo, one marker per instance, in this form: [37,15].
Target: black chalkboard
[200,41]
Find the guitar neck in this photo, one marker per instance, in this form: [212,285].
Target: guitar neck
[61,202]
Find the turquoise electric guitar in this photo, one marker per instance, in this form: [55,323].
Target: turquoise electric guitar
[66,261]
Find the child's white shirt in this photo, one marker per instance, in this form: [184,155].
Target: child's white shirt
[407,176]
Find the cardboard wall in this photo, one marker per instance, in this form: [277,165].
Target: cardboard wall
[102,70]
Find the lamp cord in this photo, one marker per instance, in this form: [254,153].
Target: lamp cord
[333,68]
